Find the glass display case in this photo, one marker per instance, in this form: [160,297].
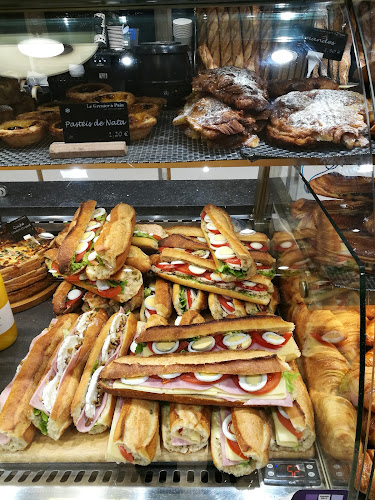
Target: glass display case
[273,92]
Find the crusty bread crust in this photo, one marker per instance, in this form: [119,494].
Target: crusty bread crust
[146,244]
[163,299]
[187,230]
[32,264]
[253,432]
[171,254]
[217,327]
[26,279]
[198,304]
[114,240]
[258,237]
[181,241]
[59,299]
[191,317]
[263,257]
[251,362]
[76,229]
[138,259]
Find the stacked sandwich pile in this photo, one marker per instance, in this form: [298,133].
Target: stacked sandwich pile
[23,270]
[232,380]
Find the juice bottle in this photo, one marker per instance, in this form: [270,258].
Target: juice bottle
[8,328]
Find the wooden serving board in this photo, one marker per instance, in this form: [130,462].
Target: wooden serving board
[34,300]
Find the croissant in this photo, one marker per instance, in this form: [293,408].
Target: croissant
[327,325]
[324,366]
[369,358]
[336,421]
[363,476]
[349,347]
[370,325]
[349,387]
[371,432]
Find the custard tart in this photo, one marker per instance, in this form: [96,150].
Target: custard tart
[21,133]
[52,106]
[160,101]
[86,92]
[56,130]
[140,125]
[45,115]
[116,97]
[145,107]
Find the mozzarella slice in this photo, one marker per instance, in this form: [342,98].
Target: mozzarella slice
[211,227]
[251,284]
[197,270]
[133,346]
[202,240]
[273,338]
[92,225]
[134,380]
[252,382]
[168,376]
[207,218]
[177,262]
[82,247]
[256,245]
[208,377]
[49,393]
[201,345]
[226,425]
[88,236]
[165,347]
[74,294]
[92,256]
[92,394]
[215,277]
[283,412]
[95,239]
[224,253]
[46,236]
[83,276]
[218,239]
[286,244]
[98,213]
[108,218]
[102,285]
[150,303]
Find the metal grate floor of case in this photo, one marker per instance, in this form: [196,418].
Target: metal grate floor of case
[168,475]
[166,143]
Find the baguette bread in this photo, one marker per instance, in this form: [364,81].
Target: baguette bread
[191,317]
[183,296]
[181,241]
[61,302]
[16,430]
[158,300]
[138,259]
[147,236]
[220,307]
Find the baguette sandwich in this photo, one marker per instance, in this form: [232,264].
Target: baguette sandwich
[232,378]
[157,300]
[269,308]
[67,298]
[293,429]
[240,439]
[192,271]
[221,306]
[187,298]
[51,402]
[93,301]
[185,428]
[182,241]
[147,237]
[264,262]
[134,435]
[16,430]
[232,259]
[138,259]
[92,410]
[281,242]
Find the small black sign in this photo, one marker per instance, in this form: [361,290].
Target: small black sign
[95,122]
[18,228]
[330,43]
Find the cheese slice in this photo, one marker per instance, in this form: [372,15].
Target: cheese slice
[279,392]
[189,434]
[289,351]
[147,352]
[231,455]
[112,453]
[283,436]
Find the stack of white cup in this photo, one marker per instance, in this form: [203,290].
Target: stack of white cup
[183,30]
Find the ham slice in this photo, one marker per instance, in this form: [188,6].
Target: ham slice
[81,422]
[180,442]
[4,439]
[175,384]
[5,393]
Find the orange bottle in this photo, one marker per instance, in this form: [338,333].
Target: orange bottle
[8,328]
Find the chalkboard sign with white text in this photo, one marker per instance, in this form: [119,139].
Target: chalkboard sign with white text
[95,122]
[18,228]
[330,43]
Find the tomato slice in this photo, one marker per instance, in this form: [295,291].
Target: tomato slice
[126,454]
[214,231]
[166,267]
[316,336]
[184,268]
[207,275]
[288,425]
[225,304]
[190,378]
[189,298]
[54,267]
[234,446]
[257,337]
[219,245]
[203,214]
[261,266]
[69,303]
[110,293]
[273,380]
[73,277]
[233,260]
[79,256]
[156,237]
[256,288]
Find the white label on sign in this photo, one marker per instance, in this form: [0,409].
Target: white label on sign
[6,318]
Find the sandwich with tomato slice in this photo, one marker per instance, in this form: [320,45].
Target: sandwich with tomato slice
[186,298]
[192,271]
[50,404]
[269,308]
[251,333]
[232,259]
[281,242]
[182,241]
[16,430]
[222,306]
[157,300]
[264,262]
[232,378]
[240,439]
[67,298]
[134,436]
[147,237]
[185,428]
[293,428]
[92,409]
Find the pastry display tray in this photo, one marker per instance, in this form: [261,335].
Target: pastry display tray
[166,144]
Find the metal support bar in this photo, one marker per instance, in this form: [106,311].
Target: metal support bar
[261,194]
[163,24]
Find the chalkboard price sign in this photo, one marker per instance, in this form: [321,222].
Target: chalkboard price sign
[18,228]
[95,122]
[330,43]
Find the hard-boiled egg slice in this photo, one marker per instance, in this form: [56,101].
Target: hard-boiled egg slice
[223,253]
[256,245]
[283,412]
[150,303]
[226,426]
[178,320]
[218,239]
[216,277]
[208,377]
[273,338]
[286,244]
[83,276]
[133,346]
[177,262]
[95,239]
[82,247]
[201,345]
[92,225]
[211,227]
[133,380]
[165,347]
[197,270]
[102,285]
[202,240]
[250,284]
[74,294]
[98,212]
[168,376]
[235,339]
[92,256]
[203,254]
[252,383]
[88,236]
[207,218]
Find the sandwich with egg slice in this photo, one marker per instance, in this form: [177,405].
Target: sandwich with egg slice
[186,298]
[222,306]
[157,300]
[92,409]
[232,259]
[67,298]
[147,237]
[50,404]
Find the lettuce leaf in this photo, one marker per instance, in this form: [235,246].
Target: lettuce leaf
[141,234]
[225,269]
[96,364]
[147,292]
[122,284]
[140,347]
[182,299]
[289,377]
[43,422]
